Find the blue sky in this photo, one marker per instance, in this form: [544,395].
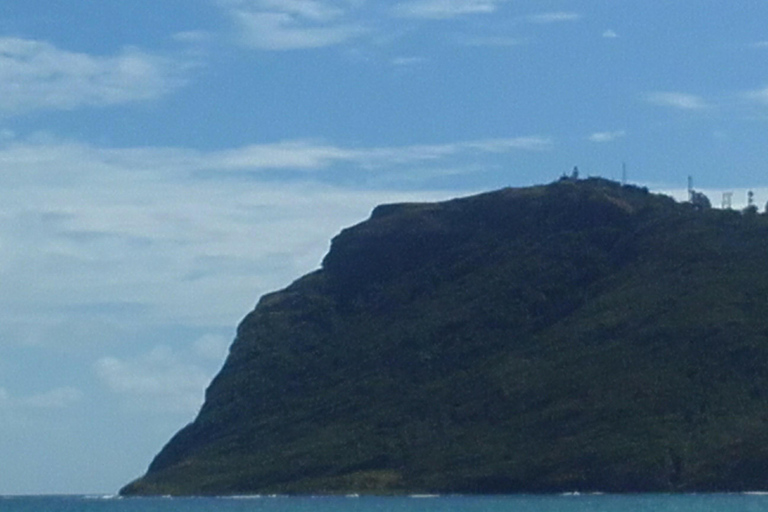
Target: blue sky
[165,163]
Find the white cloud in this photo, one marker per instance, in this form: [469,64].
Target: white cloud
[64,164]
[157,381]
[610,34]
[678,100]
[279,31]
[553,17]
[533,143]
[67,164]
[303,154]
[445,9]
[288,154]
[607,136]
[292,24]
[36,75]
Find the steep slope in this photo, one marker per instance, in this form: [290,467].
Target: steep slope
[575,336]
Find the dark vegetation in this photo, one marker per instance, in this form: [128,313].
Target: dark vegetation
[577,336]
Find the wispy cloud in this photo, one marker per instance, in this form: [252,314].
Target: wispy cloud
[281,31]
[393,156]
[553,17]
[534,143]
[36,75]
[610,34]
[607,136]
[677,100]
[299,154]
[66,163]
[293,24]
[312,155]
[445,9]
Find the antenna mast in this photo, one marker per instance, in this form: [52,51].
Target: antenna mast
[727,200]
[690,189]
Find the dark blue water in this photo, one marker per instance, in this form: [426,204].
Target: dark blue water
[581,503]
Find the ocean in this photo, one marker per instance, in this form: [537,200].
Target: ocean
[550,503]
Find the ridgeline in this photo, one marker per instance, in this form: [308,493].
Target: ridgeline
[577,336]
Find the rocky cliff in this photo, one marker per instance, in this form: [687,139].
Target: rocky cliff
[581,335]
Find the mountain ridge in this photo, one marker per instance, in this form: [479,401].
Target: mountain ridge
[581,335]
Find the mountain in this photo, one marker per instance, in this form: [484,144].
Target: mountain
[576,336]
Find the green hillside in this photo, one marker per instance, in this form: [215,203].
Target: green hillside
[581,335]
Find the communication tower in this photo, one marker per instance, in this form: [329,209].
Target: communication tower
[690,189]
[727,200]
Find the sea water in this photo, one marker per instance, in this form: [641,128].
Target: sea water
[523,503]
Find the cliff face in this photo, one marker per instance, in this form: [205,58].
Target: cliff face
[575,336]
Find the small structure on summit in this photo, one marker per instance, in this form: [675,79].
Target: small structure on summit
[696,198]
[727,200]
[574,175]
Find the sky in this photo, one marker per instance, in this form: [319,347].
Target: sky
[164,163]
